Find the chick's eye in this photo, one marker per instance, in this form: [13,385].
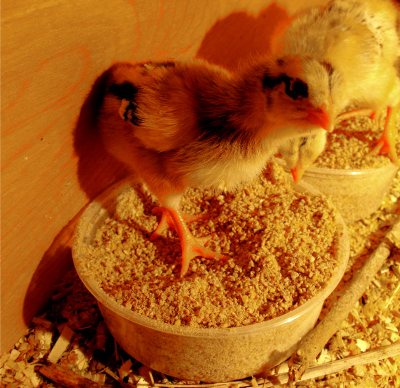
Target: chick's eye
[299,89]
[294,88]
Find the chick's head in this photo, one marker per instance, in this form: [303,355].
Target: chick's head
[299,153]
[298,92]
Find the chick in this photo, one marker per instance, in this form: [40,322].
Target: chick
[358,42]
[300,153]
[180,125]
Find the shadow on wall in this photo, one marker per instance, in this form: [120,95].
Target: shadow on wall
[233,39]
[241,36]
[96,171]
[55,263]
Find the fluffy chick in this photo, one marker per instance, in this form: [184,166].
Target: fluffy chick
[358,42]
[181,125]
[301,152]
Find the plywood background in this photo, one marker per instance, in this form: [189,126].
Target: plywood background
[52,161]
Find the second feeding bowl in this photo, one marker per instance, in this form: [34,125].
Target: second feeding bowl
[355,193]
[355,178]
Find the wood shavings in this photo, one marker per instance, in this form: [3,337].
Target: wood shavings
[42,322]
[43,336]
[67,378]
[316,339]
[124,369]
[29,373]
[357,362]
[147,374]
[61,345]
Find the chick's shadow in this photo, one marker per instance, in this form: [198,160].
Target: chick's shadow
[240,36]
[97,170]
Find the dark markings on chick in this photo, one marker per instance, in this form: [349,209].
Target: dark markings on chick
[269,82]
[294,87]
[218,127]
[280,62]
[130,114]
[166,64]
[125,91]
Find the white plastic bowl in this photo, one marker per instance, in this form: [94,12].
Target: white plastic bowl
[355,193]
[200,354]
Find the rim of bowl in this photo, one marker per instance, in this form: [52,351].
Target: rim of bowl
[98,206]
[335,171]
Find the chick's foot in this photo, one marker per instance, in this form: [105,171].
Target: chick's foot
[191,246]
[167,222]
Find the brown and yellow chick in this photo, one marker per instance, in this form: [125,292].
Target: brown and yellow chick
[300,153]
[180,125]
[358,41]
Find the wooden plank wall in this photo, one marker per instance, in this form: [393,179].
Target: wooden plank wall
[52,160]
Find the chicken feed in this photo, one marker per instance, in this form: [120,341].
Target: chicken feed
[280,244]
[349,145]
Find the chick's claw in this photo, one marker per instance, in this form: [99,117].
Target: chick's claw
[193,247]
[167,222]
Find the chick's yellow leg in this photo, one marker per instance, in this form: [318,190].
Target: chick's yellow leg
[165,222]
[387,142]
[191,246]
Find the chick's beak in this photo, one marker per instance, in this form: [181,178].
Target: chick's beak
[319,117]
[297,174]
